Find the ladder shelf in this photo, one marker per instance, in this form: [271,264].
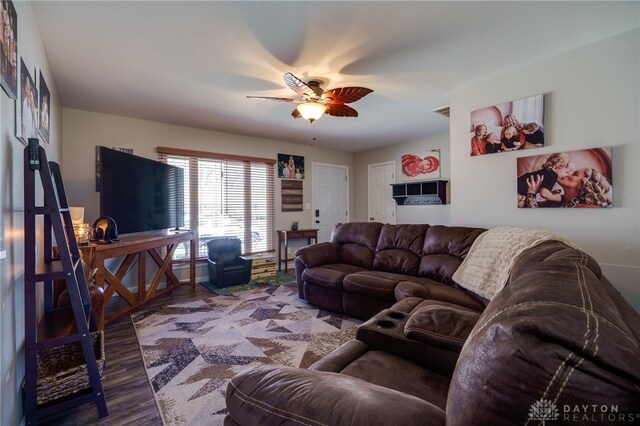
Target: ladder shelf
[64,342]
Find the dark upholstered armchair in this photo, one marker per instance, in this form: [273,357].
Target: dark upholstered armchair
[226,266]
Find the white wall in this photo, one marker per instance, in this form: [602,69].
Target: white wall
[84,130]
[12,217]
[436,215]
[592,100]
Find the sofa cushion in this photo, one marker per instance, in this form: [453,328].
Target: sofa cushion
[365,234]
[399,248]
[357,255]
[379,285]
[428,289]
[444,249]
[357,242]
[441,324]
[392,372]
[329,276]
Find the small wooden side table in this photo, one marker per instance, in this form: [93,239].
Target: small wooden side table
[287,235]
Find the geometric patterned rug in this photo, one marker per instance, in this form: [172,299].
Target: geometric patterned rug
[191,350]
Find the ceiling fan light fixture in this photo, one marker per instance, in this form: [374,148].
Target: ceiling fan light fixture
[311,110]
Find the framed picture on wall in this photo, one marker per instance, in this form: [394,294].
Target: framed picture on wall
[290,166]
[44,108]
[421,166]
[578,179]
[9,48]
[292,195]
[510,126]
[27,106]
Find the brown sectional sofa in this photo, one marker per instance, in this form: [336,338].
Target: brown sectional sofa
[368,266]
[558,343]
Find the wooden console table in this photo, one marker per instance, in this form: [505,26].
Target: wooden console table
[135,247]
[285,237]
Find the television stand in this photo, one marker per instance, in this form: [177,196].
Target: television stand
[135,247]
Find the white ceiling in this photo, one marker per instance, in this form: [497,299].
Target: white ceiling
[193,63]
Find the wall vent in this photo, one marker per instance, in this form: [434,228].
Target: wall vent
[442,111]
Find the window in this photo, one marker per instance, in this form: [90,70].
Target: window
[226,195]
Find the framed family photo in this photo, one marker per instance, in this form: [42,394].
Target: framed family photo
[509,126]
[26,107]
[576,179]
[44,108]
[9,48]
[290,166]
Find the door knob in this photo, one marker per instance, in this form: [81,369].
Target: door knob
[317,221]
[371,218]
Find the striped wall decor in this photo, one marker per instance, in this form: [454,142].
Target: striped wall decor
[292,195]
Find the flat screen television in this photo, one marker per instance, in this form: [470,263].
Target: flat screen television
[138,193]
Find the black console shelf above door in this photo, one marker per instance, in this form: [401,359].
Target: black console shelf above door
[422,193]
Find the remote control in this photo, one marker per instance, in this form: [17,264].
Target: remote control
[34,154]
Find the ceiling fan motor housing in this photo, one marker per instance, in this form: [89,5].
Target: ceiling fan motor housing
[315,86]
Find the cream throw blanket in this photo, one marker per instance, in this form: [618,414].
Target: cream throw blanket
[486,268]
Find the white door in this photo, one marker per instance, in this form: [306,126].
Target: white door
[329,198]
[382,206]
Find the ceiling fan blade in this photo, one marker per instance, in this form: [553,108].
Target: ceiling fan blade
[346,95]
[298,86]
[269,98]
[295,113]
[341,110]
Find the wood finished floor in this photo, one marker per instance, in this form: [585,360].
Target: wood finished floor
[126,386]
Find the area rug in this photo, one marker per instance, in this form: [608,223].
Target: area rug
[191,350]
[275,279]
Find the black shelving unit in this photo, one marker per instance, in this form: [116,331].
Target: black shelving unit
[431,192]
[59,330]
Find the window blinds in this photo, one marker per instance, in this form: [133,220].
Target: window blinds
[226,195]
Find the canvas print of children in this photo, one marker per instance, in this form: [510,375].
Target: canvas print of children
[290,166]
[27,109]
[581,179]
[518,123]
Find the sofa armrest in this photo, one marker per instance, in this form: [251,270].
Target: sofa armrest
[318,254]
[338,359]
[248,263]
[282,395]
[245,261]
[216,272]
[441,324]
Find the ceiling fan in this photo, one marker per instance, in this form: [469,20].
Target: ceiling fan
[316,101]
